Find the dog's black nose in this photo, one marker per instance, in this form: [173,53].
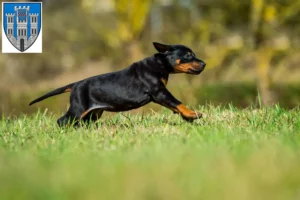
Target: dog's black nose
[203,64]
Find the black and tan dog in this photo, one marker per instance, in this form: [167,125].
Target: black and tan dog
[139,84]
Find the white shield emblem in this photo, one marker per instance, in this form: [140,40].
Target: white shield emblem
[22,27]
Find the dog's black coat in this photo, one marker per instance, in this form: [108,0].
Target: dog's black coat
[140,83]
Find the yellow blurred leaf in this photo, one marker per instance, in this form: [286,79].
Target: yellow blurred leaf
[131,15]
[257,4]
[87,4]
[124,32]
[270,13]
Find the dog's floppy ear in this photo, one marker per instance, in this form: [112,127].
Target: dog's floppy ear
[162,48]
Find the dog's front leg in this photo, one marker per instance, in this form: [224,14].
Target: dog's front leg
[166,99]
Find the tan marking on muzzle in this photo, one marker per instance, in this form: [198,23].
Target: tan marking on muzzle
[185,67]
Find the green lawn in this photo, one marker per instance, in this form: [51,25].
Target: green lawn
[229,154]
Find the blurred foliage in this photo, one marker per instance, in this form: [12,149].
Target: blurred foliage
[241,41]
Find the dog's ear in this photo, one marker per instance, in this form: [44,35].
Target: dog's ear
[162,48]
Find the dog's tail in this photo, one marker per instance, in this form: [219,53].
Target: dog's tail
[67,88]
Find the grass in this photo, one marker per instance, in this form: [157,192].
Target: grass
[229,154]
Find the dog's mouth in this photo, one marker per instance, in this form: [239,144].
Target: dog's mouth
[195,71]
[189,68]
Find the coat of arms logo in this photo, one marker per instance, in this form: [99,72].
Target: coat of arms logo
[22,24]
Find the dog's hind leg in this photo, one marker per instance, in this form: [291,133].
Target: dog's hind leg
[67,119]
[72,116]
[63,121]
[92,116]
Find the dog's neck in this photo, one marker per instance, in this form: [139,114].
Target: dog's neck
[158,62]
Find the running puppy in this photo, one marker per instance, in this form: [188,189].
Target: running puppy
[135,86]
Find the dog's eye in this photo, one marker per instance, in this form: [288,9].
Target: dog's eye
[187,56]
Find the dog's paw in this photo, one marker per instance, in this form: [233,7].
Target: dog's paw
[192,116]
[198,115]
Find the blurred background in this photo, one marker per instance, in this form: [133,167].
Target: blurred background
[251,47]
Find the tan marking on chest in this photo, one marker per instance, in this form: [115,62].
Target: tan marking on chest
[164,81]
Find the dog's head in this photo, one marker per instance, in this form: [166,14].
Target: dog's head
[181,58]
